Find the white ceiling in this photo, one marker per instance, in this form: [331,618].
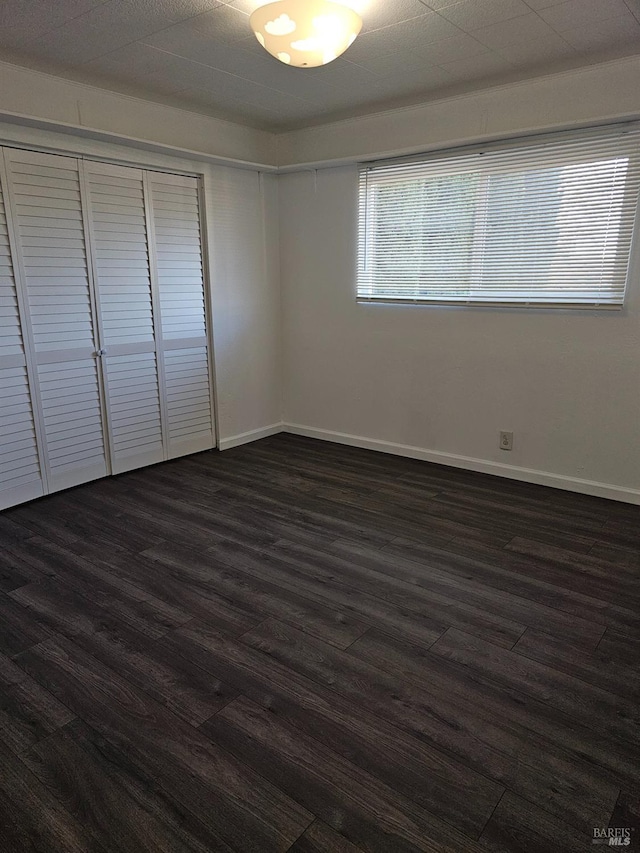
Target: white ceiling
[201,55]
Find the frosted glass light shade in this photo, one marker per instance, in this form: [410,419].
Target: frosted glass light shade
[305,33]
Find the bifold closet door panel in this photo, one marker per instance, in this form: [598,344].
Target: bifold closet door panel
[118,228]
[185,351]
[45,196]
[21,477]
[104,354]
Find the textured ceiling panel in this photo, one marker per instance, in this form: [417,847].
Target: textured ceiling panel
[471,15]
[566,16]
[526,28]
[20,21]
[202,56]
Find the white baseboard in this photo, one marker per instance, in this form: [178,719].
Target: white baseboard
[499,469]
[246,437]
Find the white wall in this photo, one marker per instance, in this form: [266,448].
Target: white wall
[444,381]
[592,95]
[37,99]
[243,219]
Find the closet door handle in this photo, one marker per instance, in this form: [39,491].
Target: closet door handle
[100,352]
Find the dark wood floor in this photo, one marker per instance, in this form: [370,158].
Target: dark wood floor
[300,646]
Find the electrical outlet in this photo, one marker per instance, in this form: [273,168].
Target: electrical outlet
[506,441]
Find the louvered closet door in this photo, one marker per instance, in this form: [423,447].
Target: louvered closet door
[21,477]
[119,241]
[185,351]
[46,202]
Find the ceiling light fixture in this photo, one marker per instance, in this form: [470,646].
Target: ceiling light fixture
[305,33]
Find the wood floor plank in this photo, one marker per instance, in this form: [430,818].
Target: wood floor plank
[11,531]
[320,838]
[139,608]
[10,673]
[348,799]
[39,522]
[330,591]
[194,593]
[488,488]
[306,467]
[421,597]
[85,516]
[109,803]
[402,524]
[188,691]
[66,521]
[28,713]
[566,560]
[626,815]
[390,509]
[140,787]
[432,574]
[621,534]
[600,763]
[31,819]
[476,736]
[190,520]
[619,648]
[530,578]
[298,645]
[15,572]
[573,569]
[430,777]
[596,669]
[591,706]
[170,478]
[166,517]
[311,517]
[187,568]
[57,606]
[18,629]
[575,532]
[615,554]
[241,810]
[518,827]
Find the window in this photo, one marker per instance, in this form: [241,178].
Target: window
[543,221]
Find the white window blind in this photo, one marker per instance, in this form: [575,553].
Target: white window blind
[544,221]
